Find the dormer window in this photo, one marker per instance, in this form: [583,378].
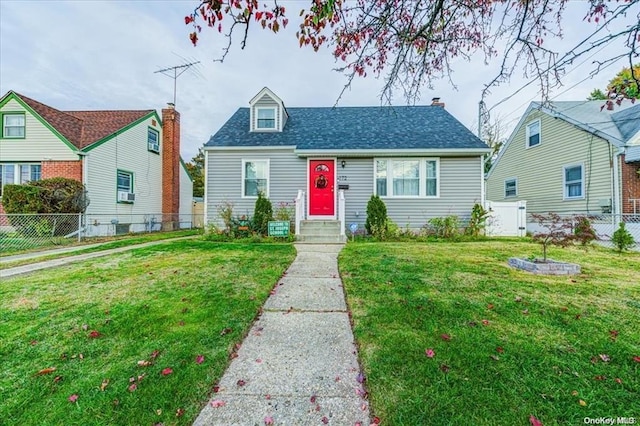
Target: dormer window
[266,118]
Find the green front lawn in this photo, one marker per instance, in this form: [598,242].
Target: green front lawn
[112,326]
[449,334]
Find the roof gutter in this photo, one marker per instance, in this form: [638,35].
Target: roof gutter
[390,152]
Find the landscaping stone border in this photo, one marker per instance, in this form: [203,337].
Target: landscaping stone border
[550,267]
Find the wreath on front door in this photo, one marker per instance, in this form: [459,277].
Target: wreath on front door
[321,182]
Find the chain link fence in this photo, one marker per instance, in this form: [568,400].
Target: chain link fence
[28,231]
[604,224]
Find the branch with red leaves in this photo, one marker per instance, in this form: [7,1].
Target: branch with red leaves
[411,43]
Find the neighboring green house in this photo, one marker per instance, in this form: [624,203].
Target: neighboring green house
[571,157]
[128,160]
[420,160]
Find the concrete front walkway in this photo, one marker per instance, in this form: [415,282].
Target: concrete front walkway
[298,365]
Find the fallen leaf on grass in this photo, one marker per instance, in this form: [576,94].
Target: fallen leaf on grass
[574,393]
[534,421]
[159,412]
[94,334]
[216,389]
[57,379]
[485,322]
[45,371]
[199,359]
[73,398]
[226,331]
[166,371]
[525,312]
[144,363]
[490,306]
[500,349]
[132,387]
[179,412]
[445,337]
[429,353]
[376,421]
[154,354]
[519,299]
[445,368]
[582,403]
[613,334]
[600,377]
[216,403]
[604,357]
[618,380]
[104,384]
[268,420]
[636,358]
[494,357]
[85,327]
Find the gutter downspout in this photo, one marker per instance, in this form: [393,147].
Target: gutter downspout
[483,194]
[205,198]
[616,187]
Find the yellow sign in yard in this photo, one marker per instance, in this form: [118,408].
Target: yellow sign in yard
[279,228]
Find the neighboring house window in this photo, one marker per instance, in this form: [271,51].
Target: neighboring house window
[30,172]
[255,177]
[266,118]
[18,174]
[125,181]
[533,134]
[407,177]
[573,181]
[13,125]
[153,140]
[7,175]
[510,188]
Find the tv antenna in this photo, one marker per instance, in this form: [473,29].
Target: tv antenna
[176,74]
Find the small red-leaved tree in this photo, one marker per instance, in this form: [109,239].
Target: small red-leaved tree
[559,231]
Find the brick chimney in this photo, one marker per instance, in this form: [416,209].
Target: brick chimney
[170,167]
[436,102]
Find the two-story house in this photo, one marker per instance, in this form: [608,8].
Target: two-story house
[129,161]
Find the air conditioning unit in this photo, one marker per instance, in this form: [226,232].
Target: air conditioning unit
[126,197]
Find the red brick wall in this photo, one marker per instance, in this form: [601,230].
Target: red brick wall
[67,169]
[630,186]
[170,161]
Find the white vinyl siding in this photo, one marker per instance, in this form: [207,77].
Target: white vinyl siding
[13,125]
[39,142]
[510,188]
[255,178]
[533,134]
[573,181]
[406,177]
[128,151]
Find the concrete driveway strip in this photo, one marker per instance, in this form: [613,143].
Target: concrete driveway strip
[298,365]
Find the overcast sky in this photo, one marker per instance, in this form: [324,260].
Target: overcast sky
[79,55]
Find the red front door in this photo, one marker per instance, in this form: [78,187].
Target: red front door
[321,188]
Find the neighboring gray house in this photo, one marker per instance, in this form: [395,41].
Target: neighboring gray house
[329,161]
[572,157]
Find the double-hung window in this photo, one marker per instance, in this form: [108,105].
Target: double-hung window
[573,181]
[7,175]
[13,125]
[411,177]
[533,134]
[153,140]
[266,118]
[255,178]
[510,188]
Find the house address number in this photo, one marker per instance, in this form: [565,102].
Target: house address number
[342,178]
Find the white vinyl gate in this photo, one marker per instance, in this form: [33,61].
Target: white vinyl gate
[506,219]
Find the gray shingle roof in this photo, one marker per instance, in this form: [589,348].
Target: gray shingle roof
[351,128]
[617,125]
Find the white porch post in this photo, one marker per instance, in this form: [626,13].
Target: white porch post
[299,210]
[341,211]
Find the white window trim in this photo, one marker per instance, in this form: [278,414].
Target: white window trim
[276,125]
[422,192]
[17,173]
[528,134]
[254,160]
[565,195]
[505,187]
[4,125]
[130,189]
